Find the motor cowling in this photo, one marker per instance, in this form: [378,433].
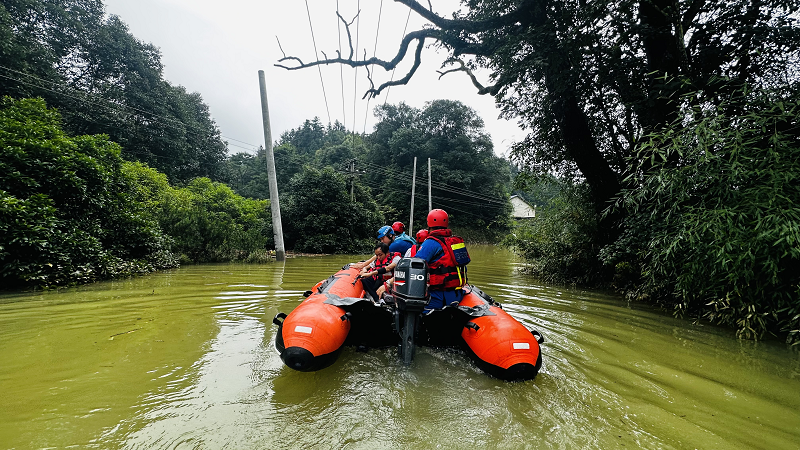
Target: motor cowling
[410,287]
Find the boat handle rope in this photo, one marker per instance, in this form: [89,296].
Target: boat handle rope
[275,320]
[472,326]
[346,316]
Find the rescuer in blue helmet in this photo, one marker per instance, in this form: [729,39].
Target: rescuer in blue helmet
[387,235]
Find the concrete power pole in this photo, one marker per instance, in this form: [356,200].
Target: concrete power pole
[280,252]
[430,202]
[413,185]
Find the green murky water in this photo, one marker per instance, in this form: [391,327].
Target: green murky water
[185,359]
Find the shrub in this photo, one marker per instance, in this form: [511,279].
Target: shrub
[716,235]
[66,212]
[559,244]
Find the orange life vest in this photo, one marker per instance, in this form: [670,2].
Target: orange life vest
[448,272]
[385,263]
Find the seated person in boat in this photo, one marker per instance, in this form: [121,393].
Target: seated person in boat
[447,258]
[386,235]
[401,239]
[379,271]
[421,236]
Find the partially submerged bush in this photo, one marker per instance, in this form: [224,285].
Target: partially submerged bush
[207,220]
[559,244]
[66,210]
[716,235]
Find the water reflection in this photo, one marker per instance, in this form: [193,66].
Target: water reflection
[186,359]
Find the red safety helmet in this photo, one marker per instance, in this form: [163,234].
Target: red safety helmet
[398,227]
[422,235]
[437,218]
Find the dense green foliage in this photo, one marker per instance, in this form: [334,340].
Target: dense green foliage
[671,105]
[207,220]
[72,210]
[560,244]
[718,236]
[589,79]
[103,80]
[468,180]
[66,210]
[321,217]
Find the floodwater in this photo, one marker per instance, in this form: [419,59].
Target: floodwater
[186,360]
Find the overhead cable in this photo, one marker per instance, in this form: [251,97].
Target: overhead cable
[316,55]
[404,176]
[107,103]
[374,53]
[386,99]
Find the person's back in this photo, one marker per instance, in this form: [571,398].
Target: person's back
[401,242]
[400,246]
[446,268]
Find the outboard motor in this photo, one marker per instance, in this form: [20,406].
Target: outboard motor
[410,292]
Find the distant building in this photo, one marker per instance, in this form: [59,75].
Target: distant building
[521,209]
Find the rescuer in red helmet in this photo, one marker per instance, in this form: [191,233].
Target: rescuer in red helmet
[401,242]
[421,236]
[447,259]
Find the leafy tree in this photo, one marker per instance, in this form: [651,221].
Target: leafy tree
[104,80]
[67,212]
[320,216]
[247,175]
[206,219]
[559,244]
[589,79]
[312,136]
[469,181]
[718,236]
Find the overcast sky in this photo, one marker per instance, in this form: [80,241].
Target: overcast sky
[217,47]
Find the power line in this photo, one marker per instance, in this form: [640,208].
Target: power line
[355,73]
[386,99]
[374,53]
[109,103]
[449,200]
[316,55]
[402,176]
[341,66]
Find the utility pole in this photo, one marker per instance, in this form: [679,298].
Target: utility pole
[352,173]
[413,185]
[430,202]
[277,228]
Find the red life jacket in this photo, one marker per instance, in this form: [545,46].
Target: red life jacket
[384,263]
[414,249]
[448,272]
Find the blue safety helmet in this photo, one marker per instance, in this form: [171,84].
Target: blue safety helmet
[385,230]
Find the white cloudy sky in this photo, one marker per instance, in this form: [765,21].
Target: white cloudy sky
[217,47]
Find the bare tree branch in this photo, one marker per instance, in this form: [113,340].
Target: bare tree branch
[482,90]
[459,45]
[372,93]
[349,36]
[517,15]
[419,35]
[280,46]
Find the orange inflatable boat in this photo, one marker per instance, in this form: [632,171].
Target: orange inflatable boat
[336,313]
